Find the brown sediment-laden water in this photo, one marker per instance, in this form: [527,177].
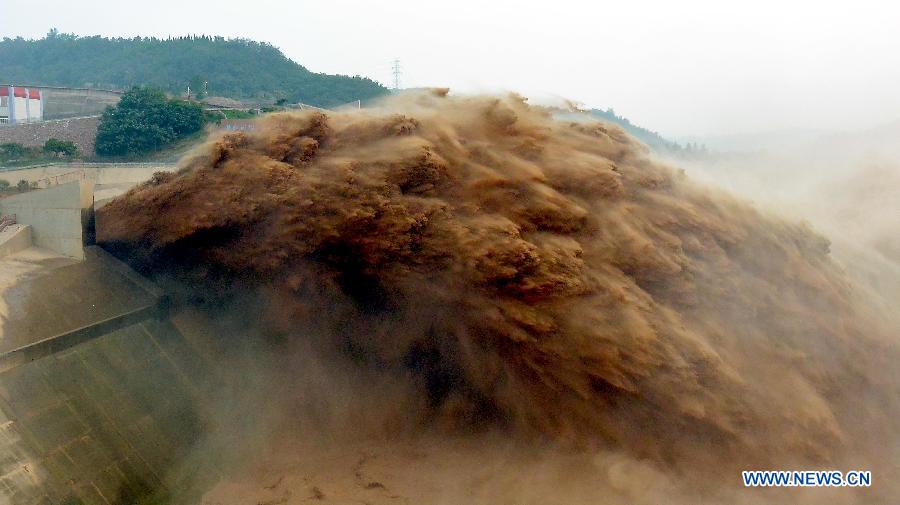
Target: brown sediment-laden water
[533,279]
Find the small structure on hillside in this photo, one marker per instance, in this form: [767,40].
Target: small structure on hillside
[19,104]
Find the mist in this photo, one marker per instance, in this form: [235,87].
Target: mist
[844,184]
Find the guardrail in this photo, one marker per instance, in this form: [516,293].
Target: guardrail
[7,122]
[73,118]
[65,88]
[54,180]
[84,165]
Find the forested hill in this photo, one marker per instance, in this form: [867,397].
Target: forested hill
[234,68]
[653,140]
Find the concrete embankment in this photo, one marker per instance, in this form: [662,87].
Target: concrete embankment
[100,173]
[58,216]
[100,395]
[110,179]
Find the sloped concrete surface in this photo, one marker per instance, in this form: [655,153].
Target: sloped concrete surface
[101,423]
[14,238]
[57,215]
[103,419]
[72,297]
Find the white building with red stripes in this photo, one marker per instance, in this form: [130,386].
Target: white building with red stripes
[19,104]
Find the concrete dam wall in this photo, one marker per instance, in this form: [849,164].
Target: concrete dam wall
[57,215]
[100,395]
[99,424]
[108,178]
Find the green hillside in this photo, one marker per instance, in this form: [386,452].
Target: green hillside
[653,139]
[235,68]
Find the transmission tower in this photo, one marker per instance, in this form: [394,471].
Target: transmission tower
[396,70]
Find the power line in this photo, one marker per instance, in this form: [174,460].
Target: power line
[397,71]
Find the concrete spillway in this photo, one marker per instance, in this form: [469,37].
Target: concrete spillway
[75,304]
[98,393]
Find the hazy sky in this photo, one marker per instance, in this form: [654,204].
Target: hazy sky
[682,68]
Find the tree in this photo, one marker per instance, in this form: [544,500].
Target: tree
[198,87]
[60,147]
[12,151]
[22,186]
[146,120]
[4,184]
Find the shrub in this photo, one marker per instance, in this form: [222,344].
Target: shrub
[12,151]
[60,147]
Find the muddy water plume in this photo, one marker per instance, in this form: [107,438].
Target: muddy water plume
[545,276]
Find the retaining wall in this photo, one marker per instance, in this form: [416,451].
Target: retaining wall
[75,102]
[100,173]
[81,131]
[57,215]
